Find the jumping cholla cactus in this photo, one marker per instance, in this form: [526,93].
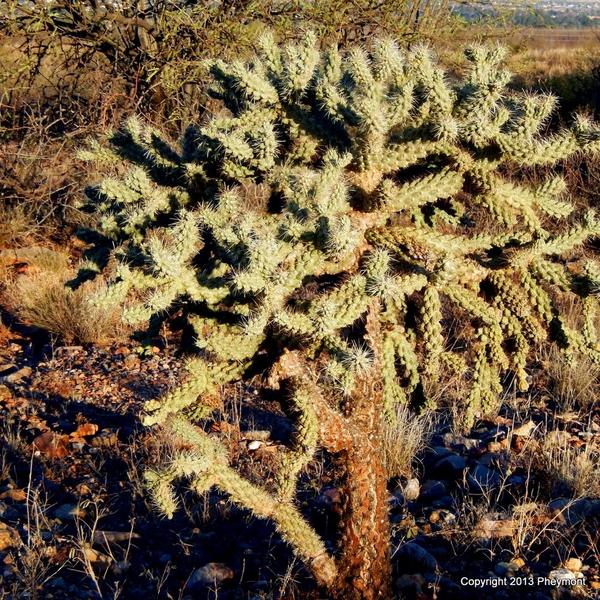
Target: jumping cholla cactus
[320,229]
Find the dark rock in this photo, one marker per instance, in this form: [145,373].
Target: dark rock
[450,467]
[414,559]
[574,511]
[482,479]
[516,480]
[435,453]
[7,513]
[446,501]
[7,369]
[432,490]
[19,375]
[410,586]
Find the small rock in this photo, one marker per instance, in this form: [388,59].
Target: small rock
[450,467]
[19,375]
[7,512]
[446,501]
[411,489]
[573,564]
[67,512]
[254,445]
[95,557]
[525,430]
[414,559]
[210,574]
[443,517]
[493,527]
[16,495]
[9,537]
[7,368]
[563,575]
[459,441]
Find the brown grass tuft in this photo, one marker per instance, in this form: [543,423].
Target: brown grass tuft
[43,300]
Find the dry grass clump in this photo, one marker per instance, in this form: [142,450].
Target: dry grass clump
[43,300]
[573,385]
[404,440]
[568,466]
[16,224]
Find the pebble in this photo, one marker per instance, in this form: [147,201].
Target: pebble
[411,489]
[573,564]
[254,445]
[410,584]
[19,375]
[66,512]
[508,569]
[9,537]
[212,573]
[443,517]
[564,575]
[6,369]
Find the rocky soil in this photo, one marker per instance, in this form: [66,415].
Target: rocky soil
[75,522]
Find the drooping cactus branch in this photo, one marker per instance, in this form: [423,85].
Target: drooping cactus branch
[331,218]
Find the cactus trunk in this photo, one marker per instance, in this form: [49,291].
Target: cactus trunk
[364,567]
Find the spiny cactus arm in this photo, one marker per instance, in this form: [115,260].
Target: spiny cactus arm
[588,329]
[299,63]
[396,347]
[431,330]
[393,394]
[397,156]
[287,519]
[416,193]
[206,465]
[305,441]
[552,273]
[576,236]
[240,81]
[574,341]
[341,307]
[225,341]
[591,271]
[334,431]
[96,152]
[548,195]
[476,307]
[536,295]
[203,379]
[535,152]
[485,387]
[438,96]
[511,298]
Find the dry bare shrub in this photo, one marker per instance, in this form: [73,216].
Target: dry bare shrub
[43,300]
[404,440]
